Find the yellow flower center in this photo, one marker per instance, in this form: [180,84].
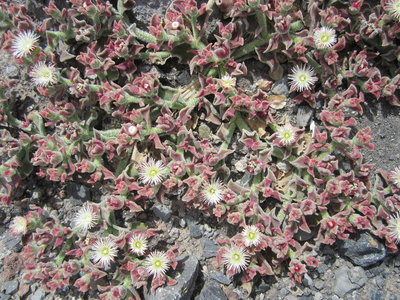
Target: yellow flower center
[105,251]
[152,172]
[325,38]
[211,191]
[236,257]
[303,78]
[286,135]
[138,244]
[157,263]
[251,236]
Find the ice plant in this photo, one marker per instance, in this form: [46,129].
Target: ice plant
[393,7]
[394,228]
[157,263]
[227,82]
[84,219]
[324,37]
[43,75]
[302,78]
[138,244]
[19,225]
[236,259]
[395,176]
[152,172]
[251,235]
[24,43]
[286,134]
[213,192]
[104,251]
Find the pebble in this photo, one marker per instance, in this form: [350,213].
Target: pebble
[163,212]
[211,291]
[182,223]
[11,286]
[209,248]
[221,278]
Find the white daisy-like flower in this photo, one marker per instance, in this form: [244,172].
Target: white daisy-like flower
[152,172]
[394,227]
[19,225]
[44,75]
[138,244]
[213,192]
[227,82]
[395,176]
[286,134]
[251,235]
[104,251]
[324,37]
[236,259]
[157,263]
[84,219]
[302,78]
[24,43]
[393,7]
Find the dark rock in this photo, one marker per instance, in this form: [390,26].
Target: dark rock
[211,291]
[78,192]
[221,278]
[209,248]
[184,288]
[144,10]
[261,288]
[38,295]
[11,286]
[342,284]
[304,114]
[364,252]
[280,87]
[195,230]
[163,212]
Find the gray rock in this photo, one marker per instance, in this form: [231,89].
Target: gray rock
[342,284]
[38,295]
[364,252]
[376,295]
[280,87]
[307,280]
[184,288]
[261,288]
[211,291]
[304,114]
[195,230]
[11,286]
[182,223]
[358,276]
[4,296]
[78,192]
[183,78]
[11,71]
[221,278]
[163,212]
[12,243]
[209,248]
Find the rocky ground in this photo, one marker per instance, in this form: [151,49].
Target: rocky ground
[358,268]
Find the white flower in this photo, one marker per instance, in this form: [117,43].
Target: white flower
[24,43]
[395,176]
[236,259]
[44,75]
[251,235]
[152,172]
[19,225]
[84,219]
[302,78]
[286,134]
[104,251]
[394,228]
[227,82]
[138,244]
[157,263]
[324,37]
[394,8]
[213,192]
